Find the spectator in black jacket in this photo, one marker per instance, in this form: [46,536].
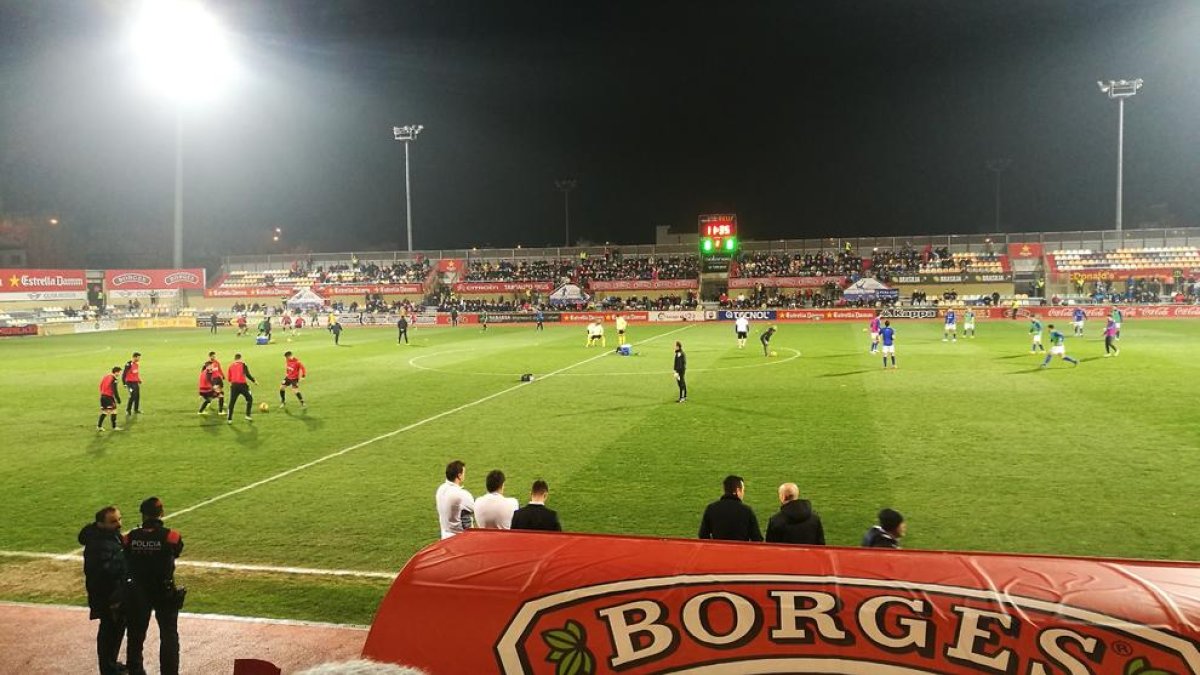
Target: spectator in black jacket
[535,515]
[728,518]
[888,532]
[106,576]
[795,523]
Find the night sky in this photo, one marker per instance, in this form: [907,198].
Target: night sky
[806,118]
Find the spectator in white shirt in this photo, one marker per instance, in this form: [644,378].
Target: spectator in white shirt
[454,503]
[494,511]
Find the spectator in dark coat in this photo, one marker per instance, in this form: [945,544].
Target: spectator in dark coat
[535,515]
[888,532]
[795,523]
[729,518]
[106,576]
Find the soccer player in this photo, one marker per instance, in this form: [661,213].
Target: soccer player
[483,319]
[1110,336]
[621,325]
[294,371]
[874,328]
[132,377]
[888,337]
[1077,319]
[335,327]
[402,326]
[212,323]
[298,323]
[239,376]
[950,328]
[109,398]
[1116,317]
[539,317]
[264,327]
[969,323]
[765,339]
[286,323]
[680,369]
[217,378]
[241,324]
[1035,332]
[595,333]
[207,390]
[1057,348]
[741,327]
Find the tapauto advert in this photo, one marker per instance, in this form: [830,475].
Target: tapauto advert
[564,604]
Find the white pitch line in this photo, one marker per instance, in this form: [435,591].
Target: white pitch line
[193,615]
[230,567]
[409,427]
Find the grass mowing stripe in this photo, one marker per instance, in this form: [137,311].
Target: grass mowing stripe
[213,565]
[414,425]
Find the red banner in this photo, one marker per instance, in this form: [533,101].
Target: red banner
[1065,312]
[40,284]
[451,265]
[1024,251]
[13,331]
[251,292]
[549,603]
[786,282]
[586,317]
[153,280]
[1160,273]
[824,314]
[644,285]
[363,289]
[492,287]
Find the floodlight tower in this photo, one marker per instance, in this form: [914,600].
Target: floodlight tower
[184,54]
[998,166]
[407,134]
[566,185]
[1120,90]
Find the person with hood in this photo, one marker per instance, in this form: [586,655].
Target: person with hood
[106,576]
[796,522]
[888,532]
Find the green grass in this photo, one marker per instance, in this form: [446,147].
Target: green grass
[979,448]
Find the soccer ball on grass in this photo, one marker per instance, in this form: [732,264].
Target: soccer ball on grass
[263,407]
[774,353]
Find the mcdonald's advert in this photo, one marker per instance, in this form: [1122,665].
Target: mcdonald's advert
[563,604]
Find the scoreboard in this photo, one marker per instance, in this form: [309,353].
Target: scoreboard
[718,234]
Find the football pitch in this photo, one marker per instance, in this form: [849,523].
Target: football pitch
[972,441]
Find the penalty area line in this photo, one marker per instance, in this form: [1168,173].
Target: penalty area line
[395,432]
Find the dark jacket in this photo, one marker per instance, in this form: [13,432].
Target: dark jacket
[105,571]
[795,523]
[536,517]
[728,518]
[151,550]
[877,537]
[680,361]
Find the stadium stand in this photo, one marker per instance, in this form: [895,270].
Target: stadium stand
[303,274]
[762,265]
[624,268]
[1126,259]
[519,270]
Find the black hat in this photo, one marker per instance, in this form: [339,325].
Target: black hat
[890,520]
[152,507]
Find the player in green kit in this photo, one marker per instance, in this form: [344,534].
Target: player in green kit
[1058,348]
[969,323]
[1116,317]
[1035,333]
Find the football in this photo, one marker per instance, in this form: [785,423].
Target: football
[774,353]
[263,407]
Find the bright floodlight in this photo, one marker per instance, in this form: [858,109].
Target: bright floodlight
[183,50]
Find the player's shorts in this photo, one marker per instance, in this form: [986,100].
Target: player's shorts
[741,334]
[1037,338]
[889,349]
[290,382]
[208,395]
[218,385]
[1078,324]
[1118,325]
[107,402]
[951,326]
[620,332]
[968,326]
[1058,350]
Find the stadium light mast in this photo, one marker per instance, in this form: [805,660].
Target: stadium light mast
[998,166]
[184,55]
[566,185]
[1120,90]
[407,134]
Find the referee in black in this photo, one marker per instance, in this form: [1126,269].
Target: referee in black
[680,371]
[402,326]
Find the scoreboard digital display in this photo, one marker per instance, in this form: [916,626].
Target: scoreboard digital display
[718,233]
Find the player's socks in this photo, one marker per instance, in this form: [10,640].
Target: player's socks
[893,361]
[100,422]
[282,396]
[203,405]
[113,418]
[300,397]
[1046,362]
[1070,360]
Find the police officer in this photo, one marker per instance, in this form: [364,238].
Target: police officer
[107,579]
[151,551]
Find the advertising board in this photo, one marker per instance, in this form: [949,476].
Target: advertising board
[42,284]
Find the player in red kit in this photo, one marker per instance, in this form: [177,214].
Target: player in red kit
[239,377]
[298,323]
[286,323]
[212,383]
[241,324]
[293,372]
[110,396]
[132,377]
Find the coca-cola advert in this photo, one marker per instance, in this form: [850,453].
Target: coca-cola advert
[39,284]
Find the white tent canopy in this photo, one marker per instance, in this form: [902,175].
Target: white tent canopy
[568,294]
[306,298]
[867,287]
